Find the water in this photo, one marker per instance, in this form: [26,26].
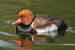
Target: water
[6,44]
[13,45]
[7,34]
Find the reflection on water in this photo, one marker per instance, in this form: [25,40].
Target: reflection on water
[7,34]
[12,45]
[6,43]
